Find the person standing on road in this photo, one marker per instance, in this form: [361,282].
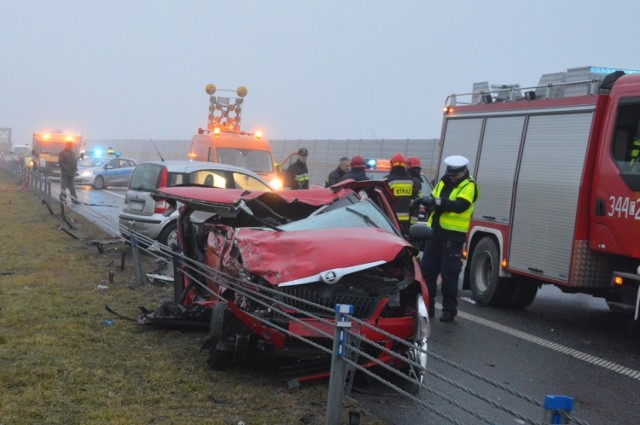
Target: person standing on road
[404,189]
[357,172]
[68,168]
[450,206]
[335,176]
[297,175]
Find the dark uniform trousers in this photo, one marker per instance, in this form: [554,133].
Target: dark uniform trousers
[446,261]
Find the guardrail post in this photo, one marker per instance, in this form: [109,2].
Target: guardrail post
[338,365]
[135,253]
[47,185]
[554,405]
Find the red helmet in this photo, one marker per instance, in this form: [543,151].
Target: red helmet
[358,162]
[398,160]
[413,161]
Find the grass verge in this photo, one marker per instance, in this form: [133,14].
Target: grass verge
[61,364]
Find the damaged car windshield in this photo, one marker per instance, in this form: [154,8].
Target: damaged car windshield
[360,214]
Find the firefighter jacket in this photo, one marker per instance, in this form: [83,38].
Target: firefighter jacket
[404,189]
[450,220]
[297,176]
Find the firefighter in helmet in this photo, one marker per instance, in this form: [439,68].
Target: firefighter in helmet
[450,205]
[404,189]
[356,173]
[414,168]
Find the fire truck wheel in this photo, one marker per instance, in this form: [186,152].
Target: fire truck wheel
[98,183]
[524,293]
[219,358]
[487,287]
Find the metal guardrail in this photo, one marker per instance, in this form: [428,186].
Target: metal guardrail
[347,355]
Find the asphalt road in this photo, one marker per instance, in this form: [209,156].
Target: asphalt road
[102,207]
[563,344]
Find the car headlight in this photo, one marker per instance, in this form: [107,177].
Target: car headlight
[86,173]
[276,183]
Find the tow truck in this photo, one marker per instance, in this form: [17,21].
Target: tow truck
[223,141]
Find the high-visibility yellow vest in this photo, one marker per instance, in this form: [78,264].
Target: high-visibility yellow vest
[457,222]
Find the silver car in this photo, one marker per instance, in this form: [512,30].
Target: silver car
[102,172]
[148,216]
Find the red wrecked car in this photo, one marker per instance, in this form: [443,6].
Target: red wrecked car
[289,255]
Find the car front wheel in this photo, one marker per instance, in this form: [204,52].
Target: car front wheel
[98,183]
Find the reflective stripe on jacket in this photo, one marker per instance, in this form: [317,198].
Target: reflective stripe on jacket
[402,189]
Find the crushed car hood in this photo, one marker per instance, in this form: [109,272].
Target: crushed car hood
[308,255]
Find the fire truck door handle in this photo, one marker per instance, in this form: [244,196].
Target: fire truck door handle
[600,208]
[535,270]
[489,217]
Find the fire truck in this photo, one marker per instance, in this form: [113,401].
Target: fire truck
[46,147]
[557,166]
[223,141]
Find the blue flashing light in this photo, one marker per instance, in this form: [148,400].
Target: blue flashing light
[371,163]
[602,70]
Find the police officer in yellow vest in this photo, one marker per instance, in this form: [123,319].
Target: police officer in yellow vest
[404,190]
[450,205]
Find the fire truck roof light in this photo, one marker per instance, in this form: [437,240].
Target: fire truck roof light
[258,134]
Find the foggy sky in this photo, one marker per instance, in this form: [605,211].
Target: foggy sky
[313,69]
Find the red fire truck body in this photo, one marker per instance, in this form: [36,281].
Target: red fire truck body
[560,188]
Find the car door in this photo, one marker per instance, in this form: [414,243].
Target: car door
[110,171]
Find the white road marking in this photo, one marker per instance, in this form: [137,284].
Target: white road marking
[115,193]
[596,361]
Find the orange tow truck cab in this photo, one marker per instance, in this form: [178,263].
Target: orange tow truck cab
[223,141]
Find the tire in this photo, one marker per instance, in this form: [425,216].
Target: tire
[219,359]
[487,288]
[524,293]
[169,235]
[98,183]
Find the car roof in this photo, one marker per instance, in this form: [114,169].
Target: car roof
[176,165]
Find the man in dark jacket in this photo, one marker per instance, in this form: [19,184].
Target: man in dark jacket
[335,176]
[68,168]
[297,175]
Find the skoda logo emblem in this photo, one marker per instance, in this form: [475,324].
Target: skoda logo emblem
[330,277]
